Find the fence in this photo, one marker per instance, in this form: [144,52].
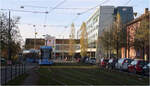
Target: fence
[10,72]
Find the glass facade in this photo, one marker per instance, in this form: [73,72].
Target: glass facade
[126,14]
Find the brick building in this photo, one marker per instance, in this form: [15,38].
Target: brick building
[132,26]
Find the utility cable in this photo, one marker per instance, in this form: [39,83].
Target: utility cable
[104,1]
[127,2]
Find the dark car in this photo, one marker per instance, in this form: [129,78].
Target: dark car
[136,66]
[3,61]
[103,62]
[111,63]
[84,59]
[146,69]
[92,60]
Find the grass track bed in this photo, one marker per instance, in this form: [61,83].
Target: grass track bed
[88,75]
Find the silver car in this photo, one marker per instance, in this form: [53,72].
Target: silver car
[123,63]
[126,63]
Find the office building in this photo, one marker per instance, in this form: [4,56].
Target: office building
[102,19]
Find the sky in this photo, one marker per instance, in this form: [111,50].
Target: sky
[60,17]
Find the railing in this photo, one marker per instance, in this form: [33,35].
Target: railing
[9,72]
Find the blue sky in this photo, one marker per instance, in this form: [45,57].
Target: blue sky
[60,16]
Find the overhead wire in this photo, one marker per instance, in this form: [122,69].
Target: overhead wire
[104,1]
[69,24]
[127,2]
[46,16]
[57,5]
[30,11]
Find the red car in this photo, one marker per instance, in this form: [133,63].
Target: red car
[103,62]
[136,66]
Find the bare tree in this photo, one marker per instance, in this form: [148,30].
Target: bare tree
[15,37]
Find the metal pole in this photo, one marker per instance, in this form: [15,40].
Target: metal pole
[5,74]
[22,68]
[35,40]
[15,70]
[63,47]
[54,48]
[19,69]
[1,39]
[91,50]
[11,72]
[9,39]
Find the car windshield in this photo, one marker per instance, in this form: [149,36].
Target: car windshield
[134,62]
[128,61]
[93,58]
[111,60]
[120,60]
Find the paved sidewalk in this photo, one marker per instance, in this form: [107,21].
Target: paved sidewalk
[32,78]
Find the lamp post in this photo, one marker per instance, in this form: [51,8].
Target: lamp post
[35,36]
[9,37]
[1,37]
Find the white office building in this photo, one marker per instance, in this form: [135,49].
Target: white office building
[100,19]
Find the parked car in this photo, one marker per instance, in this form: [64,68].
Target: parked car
[136,66]
[84,59]
[87,60]
[111,63]
[126,63]
[146,69]
[121,62]
[3,61]
[103,62]
[78,59]
[92,60]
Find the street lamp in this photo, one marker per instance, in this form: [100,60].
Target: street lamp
[35,36]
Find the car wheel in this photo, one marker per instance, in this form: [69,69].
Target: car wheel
[106,66]
[134,71]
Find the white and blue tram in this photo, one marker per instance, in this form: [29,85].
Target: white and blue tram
[46,55]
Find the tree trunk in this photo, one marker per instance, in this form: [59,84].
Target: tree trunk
[125,51]
[117,48]
[107,53]
[128,51]
[110,53]
[143,50]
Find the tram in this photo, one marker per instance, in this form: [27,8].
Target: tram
[46,55]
